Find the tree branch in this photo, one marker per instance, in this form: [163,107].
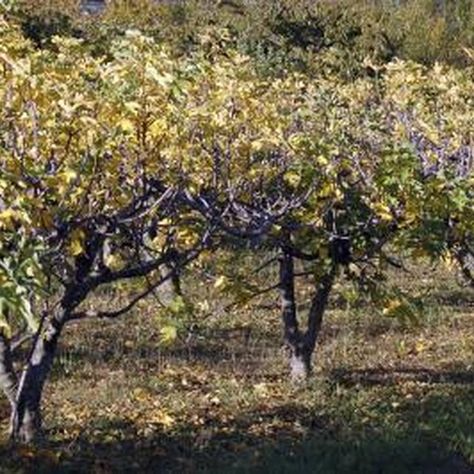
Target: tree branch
[191,255]
[318,307]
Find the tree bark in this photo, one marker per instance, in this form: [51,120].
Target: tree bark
[300,362]
[318,308]
[8,379]
[301,345]
[171,288]
[294,340]
[288,302]
[26,421]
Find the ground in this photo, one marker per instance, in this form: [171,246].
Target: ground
[385,397]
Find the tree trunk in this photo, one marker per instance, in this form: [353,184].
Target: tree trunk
[26,429]
[300,359]
[8,380]
[300,363]
[292,335]
[317,310]
[301,346]
[170,289]
[25,424]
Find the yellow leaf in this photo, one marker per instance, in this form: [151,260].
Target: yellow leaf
[292,178]
[322,160]
[186,236]
[126,125]
[261,389]
[139,394]
[76,244]
[133,107]
[168,334]
[113,261]
[420,345]
[7,217]
[157,128]
[448,260]
[383,211]
[220,282]
[5,327]
[69,175]
[163,418]
[215,400]
[392,307]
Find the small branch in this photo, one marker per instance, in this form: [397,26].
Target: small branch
[254,295]
[115,314]
[397,264]
[266,263]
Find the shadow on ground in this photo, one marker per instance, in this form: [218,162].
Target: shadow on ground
[420,437]
[369,377]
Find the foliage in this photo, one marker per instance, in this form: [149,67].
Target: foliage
[132,161]
[20,284]
[278,35]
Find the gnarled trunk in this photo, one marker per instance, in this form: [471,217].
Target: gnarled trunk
[25,423]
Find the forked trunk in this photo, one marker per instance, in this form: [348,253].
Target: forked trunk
[301,345]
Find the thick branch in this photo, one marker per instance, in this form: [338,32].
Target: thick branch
[130,272]
[317,309]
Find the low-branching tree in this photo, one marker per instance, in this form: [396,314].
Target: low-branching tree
[348,177]
[88,195]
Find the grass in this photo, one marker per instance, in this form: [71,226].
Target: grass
[385,397]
